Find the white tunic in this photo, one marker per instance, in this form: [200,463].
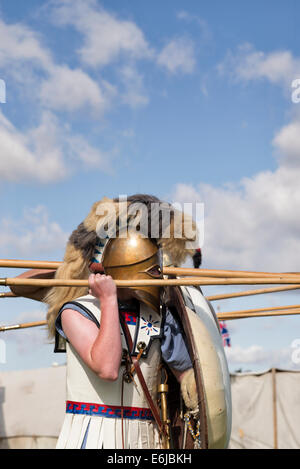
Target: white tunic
[93,405]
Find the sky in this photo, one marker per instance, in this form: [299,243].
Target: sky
[194,102]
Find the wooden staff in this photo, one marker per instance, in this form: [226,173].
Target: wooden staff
[151,282]
[183,271]
[180,271]
[23,325]
[8,295]
[220,316]
[261,291]
[23,264]
[222,296]
[259,310]
[232,315]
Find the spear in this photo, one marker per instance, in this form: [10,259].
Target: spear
[180,271]
[261,291]
[23,264]
[151,282]
[184,271]
[228,317]
[282,311]
[24,325]
[259,312]
[221,296]
[8,295]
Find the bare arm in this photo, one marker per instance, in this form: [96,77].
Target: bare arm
[100,349]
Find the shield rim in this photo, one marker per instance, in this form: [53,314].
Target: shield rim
[176,299]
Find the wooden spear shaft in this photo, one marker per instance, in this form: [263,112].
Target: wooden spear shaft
[259,310]
[150,282]
[23,264]
[8,295]
[221,317]
[24,325]
[233,315]
[183,271]
[29,264]
[261,291]
[222,296]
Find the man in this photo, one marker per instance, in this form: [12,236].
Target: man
[112,369]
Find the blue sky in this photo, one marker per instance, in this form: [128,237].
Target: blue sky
[187,101]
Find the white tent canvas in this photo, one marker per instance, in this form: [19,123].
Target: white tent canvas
[32,405]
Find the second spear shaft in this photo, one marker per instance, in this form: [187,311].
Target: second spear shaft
[151,282]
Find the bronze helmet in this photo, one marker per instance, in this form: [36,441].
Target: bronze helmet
[134,257]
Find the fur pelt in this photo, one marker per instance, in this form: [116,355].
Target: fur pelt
[78,254]
[189,389]
[81,244]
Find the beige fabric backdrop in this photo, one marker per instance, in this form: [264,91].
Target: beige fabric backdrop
[253,415]
[32,405]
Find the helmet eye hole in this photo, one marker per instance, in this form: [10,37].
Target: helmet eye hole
[155,271]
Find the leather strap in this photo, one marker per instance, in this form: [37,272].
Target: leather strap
[152,406]
[140,376]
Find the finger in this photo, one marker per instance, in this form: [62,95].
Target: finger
[91,280]
[99,278]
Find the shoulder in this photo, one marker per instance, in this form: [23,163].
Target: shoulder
[84,307]
[87,305]
[74,323]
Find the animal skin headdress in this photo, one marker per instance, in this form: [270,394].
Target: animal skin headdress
[85,245]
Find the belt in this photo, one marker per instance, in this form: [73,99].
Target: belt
[108,411]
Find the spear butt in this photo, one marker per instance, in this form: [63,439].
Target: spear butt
[22,326]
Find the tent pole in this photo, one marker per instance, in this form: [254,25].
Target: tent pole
[274,392]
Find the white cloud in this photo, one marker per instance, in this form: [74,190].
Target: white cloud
[255,357]
[44,153]
[252,227]
[202,24]
[58,87]
[247,64]
[178,55]
[70,90]
[31,235]
[106,37]
[134,94]
[287,142]
[18,43]
[32,156]
[89,156]
[253,354]
[254,224]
